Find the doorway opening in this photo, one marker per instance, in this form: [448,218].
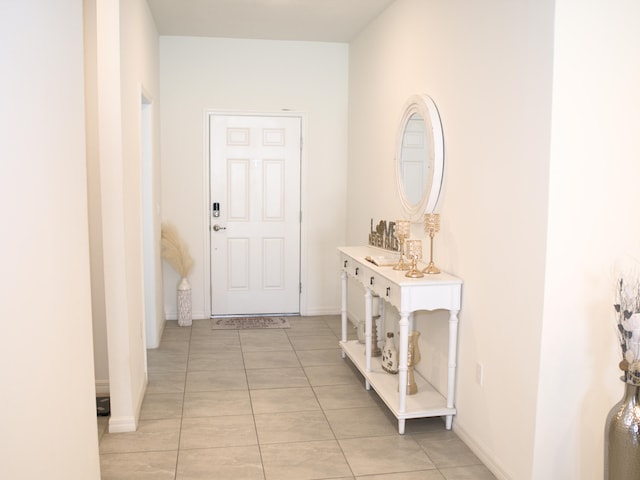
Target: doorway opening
[153,327]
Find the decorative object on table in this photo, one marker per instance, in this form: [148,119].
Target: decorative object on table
[382,260]
[389,355]
[383,236]
[413,358]
[248,323]
[402,233]
[431,226]
[414,253]
[375,349]
[176,253]
[622,428]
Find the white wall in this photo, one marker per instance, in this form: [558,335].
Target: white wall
[200,74]
[122,65]
[593,230]
[487,65]
[47,406]
[98,308]
[140,57]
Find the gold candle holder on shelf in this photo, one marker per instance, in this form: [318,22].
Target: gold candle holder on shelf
[414,253]
[413,358]
[402,231]
[431,226]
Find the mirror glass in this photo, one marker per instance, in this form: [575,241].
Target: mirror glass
[419,157]
[415,158]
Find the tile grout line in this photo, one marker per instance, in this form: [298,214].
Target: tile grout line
[192,336]
[184,399]
[253,413]
[322,409]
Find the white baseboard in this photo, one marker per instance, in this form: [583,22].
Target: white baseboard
[194,316]
[313,312]
[316,312]
[480,452]
[128,423]
[122,424]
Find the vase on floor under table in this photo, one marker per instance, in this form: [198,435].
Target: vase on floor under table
[184,303]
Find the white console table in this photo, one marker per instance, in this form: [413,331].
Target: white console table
[432,292]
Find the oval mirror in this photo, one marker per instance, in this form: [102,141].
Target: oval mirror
[419,157]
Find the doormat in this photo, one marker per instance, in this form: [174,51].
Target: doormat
[248,323]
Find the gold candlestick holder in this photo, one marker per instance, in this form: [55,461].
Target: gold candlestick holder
[413,358]
[414,253]
[431,226]
[402,230]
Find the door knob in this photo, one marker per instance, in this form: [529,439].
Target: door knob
[218,227]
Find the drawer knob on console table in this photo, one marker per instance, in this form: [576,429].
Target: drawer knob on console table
[357,268]
[345,263]
[371,281]
[388,290]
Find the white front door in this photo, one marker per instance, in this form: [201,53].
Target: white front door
[255,214]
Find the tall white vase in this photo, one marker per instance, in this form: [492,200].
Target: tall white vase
[184,303]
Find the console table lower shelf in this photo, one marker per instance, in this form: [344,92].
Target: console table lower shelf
[428,402]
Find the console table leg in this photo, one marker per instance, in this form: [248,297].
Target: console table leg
[343,310]
[401,423]
[368,305]
[453,346]
[403,350]
[448,422]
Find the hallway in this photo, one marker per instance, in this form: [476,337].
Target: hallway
[272,405]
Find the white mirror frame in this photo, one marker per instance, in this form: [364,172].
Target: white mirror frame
[424,106]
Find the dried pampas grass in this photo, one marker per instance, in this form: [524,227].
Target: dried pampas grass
[175,251]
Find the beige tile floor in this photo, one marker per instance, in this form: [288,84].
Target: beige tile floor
[272,405]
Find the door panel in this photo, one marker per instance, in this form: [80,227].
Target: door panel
[239,184]
[238,264]
[273,264]
[255,177]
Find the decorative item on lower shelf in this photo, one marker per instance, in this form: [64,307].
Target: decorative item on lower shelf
[413,358]
[375,349]
[622,427]
[176,253]
[389,355]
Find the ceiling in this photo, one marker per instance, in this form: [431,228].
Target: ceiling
[303,20]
